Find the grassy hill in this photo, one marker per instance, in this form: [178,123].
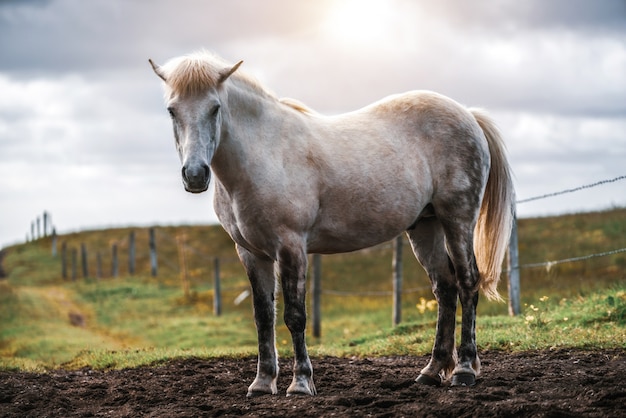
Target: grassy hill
[103,321]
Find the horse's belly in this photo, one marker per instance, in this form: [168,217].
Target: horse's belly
[330,244]
[359,227]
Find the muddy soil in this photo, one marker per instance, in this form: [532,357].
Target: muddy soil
[561,383]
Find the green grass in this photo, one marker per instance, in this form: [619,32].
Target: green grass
[36,332]
[148,329]
[595,321]
[137,320]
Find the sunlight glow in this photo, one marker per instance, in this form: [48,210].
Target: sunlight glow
[362,22]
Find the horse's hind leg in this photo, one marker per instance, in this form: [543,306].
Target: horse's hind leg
[427,241]
[261,274]
[292,265]
[459,242]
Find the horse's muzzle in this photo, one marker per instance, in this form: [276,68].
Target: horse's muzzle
[196,177]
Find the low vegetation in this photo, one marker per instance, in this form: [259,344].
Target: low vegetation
[113,322]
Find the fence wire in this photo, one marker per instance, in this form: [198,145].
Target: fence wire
[548,264]
[575,189]
[374,292]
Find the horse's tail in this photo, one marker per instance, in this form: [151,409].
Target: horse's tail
[493,229]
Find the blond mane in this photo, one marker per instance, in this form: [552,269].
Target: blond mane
[194,73]
[297,105]
[197,72]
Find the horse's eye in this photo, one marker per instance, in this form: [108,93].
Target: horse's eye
[171,112]
[215,110]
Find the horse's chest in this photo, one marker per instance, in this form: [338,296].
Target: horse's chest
[256,240]
[247,228]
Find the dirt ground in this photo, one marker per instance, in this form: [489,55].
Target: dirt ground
[562,383]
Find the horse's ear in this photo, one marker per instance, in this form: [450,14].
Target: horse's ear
[157,70]
[224,74]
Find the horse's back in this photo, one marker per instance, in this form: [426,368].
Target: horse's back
[441,132]
[421,133]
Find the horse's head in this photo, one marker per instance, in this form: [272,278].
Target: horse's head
[192,93]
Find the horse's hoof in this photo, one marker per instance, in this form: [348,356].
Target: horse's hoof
[302,386]
[301,391]
[427,380]
[463,379]
[296,394]
[257,394]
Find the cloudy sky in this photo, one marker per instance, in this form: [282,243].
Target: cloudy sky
[84,134]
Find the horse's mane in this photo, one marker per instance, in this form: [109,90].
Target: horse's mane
[297,105]
[196,72]
[193,73]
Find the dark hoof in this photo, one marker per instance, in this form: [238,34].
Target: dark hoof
[298,394]
[257,394]
[424,379]
[463,379]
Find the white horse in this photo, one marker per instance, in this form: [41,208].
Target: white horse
[289,181]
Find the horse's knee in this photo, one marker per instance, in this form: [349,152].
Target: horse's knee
[295,319]
[446,292]
[468,275]
[468,295]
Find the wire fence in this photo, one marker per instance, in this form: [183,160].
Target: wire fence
[549,264]
[575,189]
[384,293]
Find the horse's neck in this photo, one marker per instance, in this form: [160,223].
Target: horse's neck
[252,139]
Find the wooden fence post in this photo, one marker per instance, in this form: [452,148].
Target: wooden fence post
[131,253]
[38,227]
[83,258]
[114,264]
[217,292]
[74,264]
[153,253]
[54,242]
[180,240]
[316,292]
[397,280]
[64,260]
[45,224]
[32,231]
[98,265]
[514,275]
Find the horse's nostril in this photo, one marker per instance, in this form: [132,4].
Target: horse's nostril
[196,175]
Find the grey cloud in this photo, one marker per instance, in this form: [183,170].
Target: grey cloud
[598,15]
[513,15]
[74,35]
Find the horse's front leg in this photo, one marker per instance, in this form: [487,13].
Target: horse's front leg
[292,269]
[261,274]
